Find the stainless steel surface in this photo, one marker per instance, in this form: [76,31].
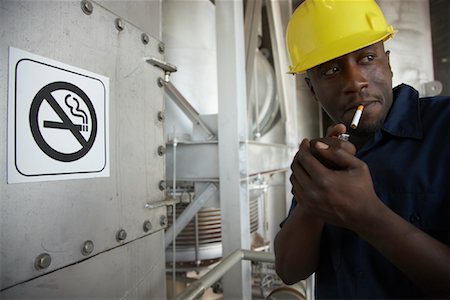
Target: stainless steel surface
[200,161]
[233,154]
[145,15]
[411,55]
[197,288]
[252,25]
[285,84]
[58,217]
[189,111]
[132,271]
[190,43]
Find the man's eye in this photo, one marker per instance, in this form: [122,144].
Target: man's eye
[368,58]
[331,71]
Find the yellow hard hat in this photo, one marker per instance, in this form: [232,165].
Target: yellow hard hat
[321,30]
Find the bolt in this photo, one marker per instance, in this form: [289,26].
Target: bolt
[162,185]
[119,24]
[160,82]
[121,235]
[161,150]
[160,116]
[88,247]
[147,226]
[161,47]
[87,7]
[144,38]
[163,221]
[42,261]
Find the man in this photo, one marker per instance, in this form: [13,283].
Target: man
[369,215]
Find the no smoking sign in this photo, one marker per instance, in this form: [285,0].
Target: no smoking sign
[57,120]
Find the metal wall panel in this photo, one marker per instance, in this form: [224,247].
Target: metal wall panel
[57,217]
[123,273]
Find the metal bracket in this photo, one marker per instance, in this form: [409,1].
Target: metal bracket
[165,66]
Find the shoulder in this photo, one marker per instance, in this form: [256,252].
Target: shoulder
[437,102]
[435,109]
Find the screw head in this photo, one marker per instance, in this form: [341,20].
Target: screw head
[162,185]
[161,47]
[163,221]
[119,24]
[145,39]
[147,226]
[161,150]
[42,261]
[121,235]
[160,82]
[87,248]
[160,116]
[87,7]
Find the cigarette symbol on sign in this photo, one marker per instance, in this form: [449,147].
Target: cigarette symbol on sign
[73,104]
[75,111]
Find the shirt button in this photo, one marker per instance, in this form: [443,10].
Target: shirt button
[415,218]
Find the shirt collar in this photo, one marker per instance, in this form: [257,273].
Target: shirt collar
[403,120]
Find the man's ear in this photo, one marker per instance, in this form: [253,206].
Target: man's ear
[388,54]
[310,86]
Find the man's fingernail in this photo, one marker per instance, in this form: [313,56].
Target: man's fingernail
[321,145]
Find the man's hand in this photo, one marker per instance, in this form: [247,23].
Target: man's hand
[330,183]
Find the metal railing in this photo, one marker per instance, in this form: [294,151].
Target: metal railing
[198,287]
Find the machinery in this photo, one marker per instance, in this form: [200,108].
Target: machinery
[146,145]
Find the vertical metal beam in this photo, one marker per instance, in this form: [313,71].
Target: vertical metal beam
[234,195]
[252,22]
[286,85]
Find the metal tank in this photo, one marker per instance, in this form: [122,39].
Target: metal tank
[411,48]
[190,41]
[82,214]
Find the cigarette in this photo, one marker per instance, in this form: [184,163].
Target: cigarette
[357,117]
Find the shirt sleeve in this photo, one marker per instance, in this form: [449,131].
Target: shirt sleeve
[291,209]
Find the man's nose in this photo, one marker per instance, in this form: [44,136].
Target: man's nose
[355,78]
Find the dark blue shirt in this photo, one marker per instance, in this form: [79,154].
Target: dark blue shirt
[409,164]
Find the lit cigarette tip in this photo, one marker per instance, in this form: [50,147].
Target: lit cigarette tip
[357,117]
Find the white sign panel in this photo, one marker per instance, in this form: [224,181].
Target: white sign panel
[57,120]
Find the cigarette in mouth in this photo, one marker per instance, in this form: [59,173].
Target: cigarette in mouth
[357,117]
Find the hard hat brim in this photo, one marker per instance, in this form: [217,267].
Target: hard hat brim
[339,48]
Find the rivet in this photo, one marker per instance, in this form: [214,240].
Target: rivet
[163,221]
[162,185]
[121,235]
[87,7]
[161,47]
[42,261]
[160,82]
[119,24]
[160,116]
[161,150]
[147,226]
[88,247]
[144,38]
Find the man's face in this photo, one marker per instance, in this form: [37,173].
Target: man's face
[361,77]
